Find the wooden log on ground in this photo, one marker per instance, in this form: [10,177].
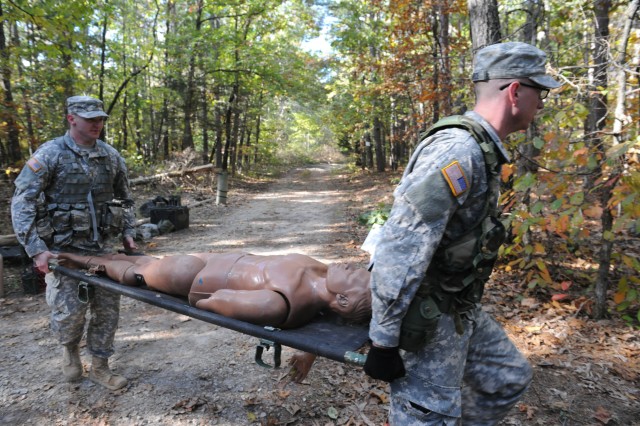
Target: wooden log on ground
[199,203]
[147,179]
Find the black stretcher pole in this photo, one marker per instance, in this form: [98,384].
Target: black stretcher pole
[293,338]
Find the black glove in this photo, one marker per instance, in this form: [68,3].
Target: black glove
[384,364]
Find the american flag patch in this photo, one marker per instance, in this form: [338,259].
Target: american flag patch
[455,178]
[34,165]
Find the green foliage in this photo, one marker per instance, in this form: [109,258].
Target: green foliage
[136,164]
[375,217]
[557,233]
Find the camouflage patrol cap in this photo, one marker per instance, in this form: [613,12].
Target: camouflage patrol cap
[85,107]
[512,60]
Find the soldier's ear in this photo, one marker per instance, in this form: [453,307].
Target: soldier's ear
[342,299]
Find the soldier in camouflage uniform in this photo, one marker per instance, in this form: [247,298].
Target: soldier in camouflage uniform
[436,251]
[73,195]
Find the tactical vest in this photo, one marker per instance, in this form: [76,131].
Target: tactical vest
[77,183]
[454,281]
[471,257]
[79,211]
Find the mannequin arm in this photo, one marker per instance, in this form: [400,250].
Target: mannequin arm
[262,307]
[301,363]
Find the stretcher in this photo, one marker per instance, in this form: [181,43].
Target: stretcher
[323,336]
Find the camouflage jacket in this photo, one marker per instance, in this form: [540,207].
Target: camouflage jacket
[50,208]
[440,197]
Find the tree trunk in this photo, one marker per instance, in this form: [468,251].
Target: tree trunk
[368,150]
[26,96]
[246,158]
[228,128]
[596,120]
[377,137]
[255,147]
[595,126]
[205,126]
[485,23]
[217,150]
[13,133]
[606,190]
[187,135]
[234,139]
[125,128]
[258,124]
[103,58]
[166,122]
[604,255]
[444,64]
[137,125]
[240,148]
[393,136]
[189,104]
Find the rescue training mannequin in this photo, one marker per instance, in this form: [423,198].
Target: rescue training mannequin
[283,291]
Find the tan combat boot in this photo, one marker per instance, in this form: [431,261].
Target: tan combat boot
[102,375]
[71,365]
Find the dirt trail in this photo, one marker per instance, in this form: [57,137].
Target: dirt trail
[302,212]
[184,371]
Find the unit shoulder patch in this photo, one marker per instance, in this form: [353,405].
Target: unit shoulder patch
[455,177]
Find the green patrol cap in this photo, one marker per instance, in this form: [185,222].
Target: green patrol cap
[85,107]
[513,60]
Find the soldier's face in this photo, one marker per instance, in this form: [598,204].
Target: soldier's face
[86,128]
[530,104]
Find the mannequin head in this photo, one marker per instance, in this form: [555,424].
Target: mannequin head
[350,287]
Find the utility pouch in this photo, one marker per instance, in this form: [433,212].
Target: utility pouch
[420,324]
[80,221]
[111,217]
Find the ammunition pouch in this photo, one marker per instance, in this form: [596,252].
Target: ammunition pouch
[68,221]
[59,224]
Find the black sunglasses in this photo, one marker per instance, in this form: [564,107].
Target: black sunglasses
[95,119]
[544,92]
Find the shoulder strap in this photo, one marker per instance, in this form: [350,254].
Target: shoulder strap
[477,131]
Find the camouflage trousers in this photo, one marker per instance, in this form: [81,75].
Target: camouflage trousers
[68,314]
[473,378]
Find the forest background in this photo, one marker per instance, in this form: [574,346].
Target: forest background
[233,81]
